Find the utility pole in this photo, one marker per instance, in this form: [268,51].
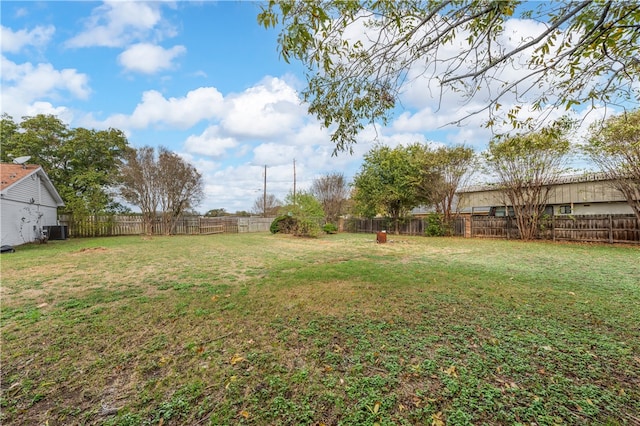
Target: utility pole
[264,193]
[294,181]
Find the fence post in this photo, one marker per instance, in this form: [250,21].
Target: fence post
[508,226]
[610,230]
[553,227]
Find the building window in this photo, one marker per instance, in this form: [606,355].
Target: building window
[501,211]
[566,209]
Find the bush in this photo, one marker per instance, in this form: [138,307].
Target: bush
[435,226]
[330,228]
[306,228]
[298,226]
[283,225]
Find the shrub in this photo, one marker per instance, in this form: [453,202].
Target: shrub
[283,224]
[435,226]
[306,228]
[330,228]
[298,226]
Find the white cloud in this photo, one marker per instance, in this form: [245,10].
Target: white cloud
[26,86]
[273,154]
[46,108]
[200,104]
[422,120]
[266,110]
[210,143]
[42,80]
[424,106]
[311,133]
[148,58]
[118,23]
[14,42]
[237,187]
[22,11]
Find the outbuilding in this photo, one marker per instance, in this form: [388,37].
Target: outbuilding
[584,194]
[28,203]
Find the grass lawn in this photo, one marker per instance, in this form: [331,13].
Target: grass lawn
[273,330]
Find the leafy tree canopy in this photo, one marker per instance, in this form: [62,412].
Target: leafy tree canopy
[453,166]
[164,183]
[526,166]
[361,55]
[217,213]
[81,163]
[305,204]
[615,148]
[392,181]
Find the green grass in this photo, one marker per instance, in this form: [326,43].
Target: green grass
[261,329]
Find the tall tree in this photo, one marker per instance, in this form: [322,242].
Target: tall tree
[139,184]
[615,148]
[217,213]
[8,129]
[82,163]
[454,166]
[362,54]
[181,187]
[162,183]
[94,160]
[391,182]
[266,207]
[526,166]
[43,138]
[332,191]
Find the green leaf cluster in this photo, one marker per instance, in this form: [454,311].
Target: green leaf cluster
[526,166]
[306,213]
[81,163]
[360,55]
[615,147]
[393,181]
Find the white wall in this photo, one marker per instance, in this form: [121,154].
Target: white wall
[599,208]
[21,220]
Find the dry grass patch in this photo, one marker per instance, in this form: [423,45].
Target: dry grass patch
[262,329]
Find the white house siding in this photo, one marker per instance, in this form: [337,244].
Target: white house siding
[21,219]
[22,222]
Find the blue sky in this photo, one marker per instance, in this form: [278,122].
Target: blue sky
[202,79]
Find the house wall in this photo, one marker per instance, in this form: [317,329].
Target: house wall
[599,208]
[594,197]
[29,188]
[21,220]
[584,192]
[480,199]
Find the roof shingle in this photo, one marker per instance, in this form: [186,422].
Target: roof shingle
[12,173]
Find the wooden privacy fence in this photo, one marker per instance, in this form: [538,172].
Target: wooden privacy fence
[114,225]
[409,226]
[587,228]
[591,228]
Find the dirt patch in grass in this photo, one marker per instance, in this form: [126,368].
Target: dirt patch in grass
[87,250]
